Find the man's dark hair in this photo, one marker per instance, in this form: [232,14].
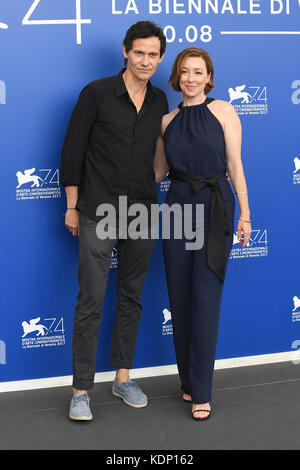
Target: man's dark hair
[144,29]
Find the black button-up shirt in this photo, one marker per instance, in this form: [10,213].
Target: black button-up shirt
[109,147]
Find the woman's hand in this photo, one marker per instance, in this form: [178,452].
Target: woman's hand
[72,221]
[244,232]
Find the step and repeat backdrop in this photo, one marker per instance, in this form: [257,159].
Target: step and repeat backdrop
[50,49]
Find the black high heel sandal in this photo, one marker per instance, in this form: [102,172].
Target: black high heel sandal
[187,401]
[202,419]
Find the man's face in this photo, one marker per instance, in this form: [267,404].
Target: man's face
[144,57]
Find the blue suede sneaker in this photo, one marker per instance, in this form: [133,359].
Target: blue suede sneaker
[80,407]
[130,393]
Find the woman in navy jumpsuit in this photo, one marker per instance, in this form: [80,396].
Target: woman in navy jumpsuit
[198,153]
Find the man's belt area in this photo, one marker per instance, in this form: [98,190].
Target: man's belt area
[218,225]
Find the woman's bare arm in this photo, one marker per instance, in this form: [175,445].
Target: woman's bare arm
[233,144]
[160,164]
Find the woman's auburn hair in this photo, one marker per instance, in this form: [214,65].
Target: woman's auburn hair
[177,68]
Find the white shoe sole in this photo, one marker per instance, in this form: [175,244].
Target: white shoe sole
[127,402]
[81,418]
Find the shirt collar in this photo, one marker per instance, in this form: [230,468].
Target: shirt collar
[121,87]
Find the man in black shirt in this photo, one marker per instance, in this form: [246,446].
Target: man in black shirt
[108,153]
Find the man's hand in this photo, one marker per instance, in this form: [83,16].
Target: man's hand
[72,221]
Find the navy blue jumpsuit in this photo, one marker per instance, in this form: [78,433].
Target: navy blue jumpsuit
[194,145]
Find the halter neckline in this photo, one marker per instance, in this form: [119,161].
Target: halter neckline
[207,100]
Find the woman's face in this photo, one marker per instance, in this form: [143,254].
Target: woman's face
[193,77]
